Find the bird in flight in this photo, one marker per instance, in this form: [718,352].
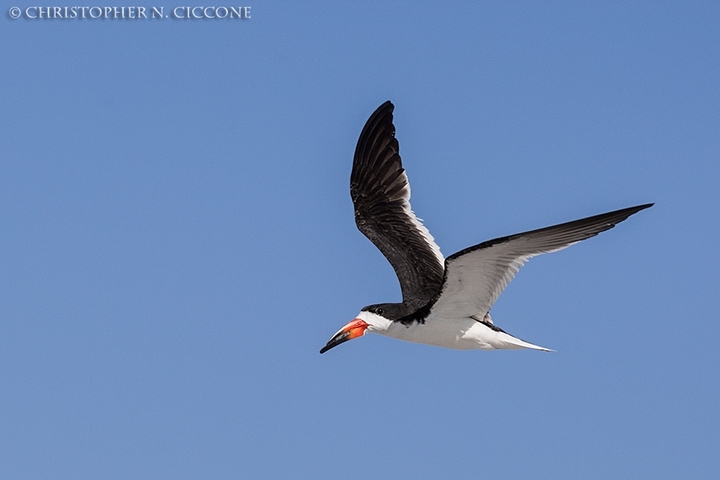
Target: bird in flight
[445,301]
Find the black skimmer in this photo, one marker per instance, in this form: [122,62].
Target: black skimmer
[446,301]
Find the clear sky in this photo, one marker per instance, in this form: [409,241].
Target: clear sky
[177,241]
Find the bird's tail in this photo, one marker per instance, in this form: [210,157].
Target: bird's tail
[509,342]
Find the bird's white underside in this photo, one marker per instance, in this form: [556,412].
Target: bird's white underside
[456,333]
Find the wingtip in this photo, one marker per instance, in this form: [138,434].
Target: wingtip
[384,109]
[633,210]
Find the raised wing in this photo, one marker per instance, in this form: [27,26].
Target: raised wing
[381,195]
[475,277]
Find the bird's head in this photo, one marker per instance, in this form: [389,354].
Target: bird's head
[370,319]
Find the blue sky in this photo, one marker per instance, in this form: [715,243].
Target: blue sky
[177,241]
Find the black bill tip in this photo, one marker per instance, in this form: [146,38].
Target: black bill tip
[335,341]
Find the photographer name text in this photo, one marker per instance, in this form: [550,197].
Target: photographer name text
[130,13]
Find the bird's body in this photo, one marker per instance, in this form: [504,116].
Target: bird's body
[446,302]
[464,333]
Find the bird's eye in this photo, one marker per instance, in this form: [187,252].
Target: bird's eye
[379,311]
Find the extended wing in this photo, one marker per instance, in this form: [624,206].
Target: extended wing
[381,195]
[475,277]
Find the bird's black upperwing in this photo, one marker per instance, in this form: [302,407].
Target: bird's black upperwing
[381,195]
